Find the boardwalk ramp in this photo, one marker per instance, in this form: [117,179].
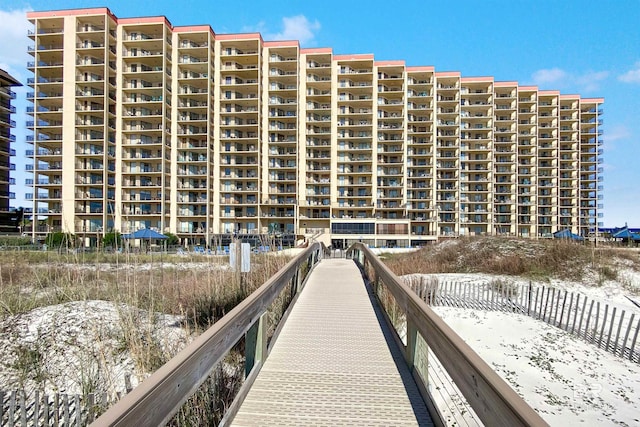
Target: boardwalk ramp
[335,362]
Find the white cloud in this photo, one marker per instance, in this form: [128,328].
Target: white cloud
[631,76]
[549,76]
[261,27]
[557,78]
[13,33]
[617,132]
[295,28]
[590,81]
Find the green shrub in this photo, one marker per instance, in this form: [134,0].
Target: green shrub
[59,239]
[14,241]
[172,239]
[112,239]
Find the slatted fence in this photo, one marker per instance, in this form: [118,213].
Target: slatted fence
[614,329]
[38,409]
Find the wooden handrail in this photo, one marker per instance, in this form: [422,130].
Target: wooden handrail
[161,395]
[492,399]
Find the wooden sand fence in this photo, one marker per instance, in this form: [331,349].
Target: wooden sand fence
[39,409]
[613,329]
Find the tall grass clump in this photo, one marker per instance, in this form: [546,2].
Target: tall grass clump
[197,289]
[209,404]
[536,259]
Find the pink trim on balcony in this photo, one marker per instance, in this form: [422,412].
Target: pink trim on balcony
[316,50]
[389,63]
[145,20]
[239,36]
[448,74]
[483,79]
[282,43]
[505,84]
[72,12]
[193,29]
[421,68]
[354,57]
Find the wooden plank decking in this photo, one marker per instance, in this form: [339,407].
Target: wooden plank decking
[334,363]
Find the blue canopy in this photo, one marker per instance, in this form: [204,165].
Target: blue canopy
[567,234]
[145,233]
[626,234]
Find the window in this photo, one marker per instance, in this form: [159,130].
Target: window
[353,228]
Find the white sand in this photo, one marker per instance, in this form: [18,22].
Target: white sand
[566,380]
[76,346]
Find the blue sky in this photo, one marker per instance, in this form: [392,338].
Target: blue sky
[576,46]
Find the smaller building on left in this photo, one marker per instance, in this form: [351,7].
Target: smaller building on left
[9,220]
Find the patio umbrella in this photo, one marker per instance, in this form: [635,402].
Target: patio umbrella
[145,234]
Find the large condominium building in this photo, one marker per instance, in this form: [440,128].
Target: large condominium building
[6,139]
[138,123]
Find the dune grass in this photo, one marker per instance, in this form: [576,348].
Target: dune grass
[203,291]
[535,259]
[198,289]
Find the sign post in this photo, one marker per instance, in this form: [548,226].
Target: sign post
[240,261]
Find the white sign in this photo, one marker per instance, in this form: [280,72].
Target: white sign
[245,250]
[245,257]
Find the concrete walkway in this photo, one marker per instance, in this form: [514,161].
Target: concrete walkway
[332,364]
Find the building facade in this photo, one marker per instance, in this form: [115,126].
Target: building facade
[6,139]
[141,124]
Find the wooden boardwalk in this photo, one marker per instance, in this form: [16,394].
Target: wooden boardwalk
[335,362]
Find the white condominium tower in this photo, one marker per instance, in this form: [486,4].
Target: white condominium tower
[141,124]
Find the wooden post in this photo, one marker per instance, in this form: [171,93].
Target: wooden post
[633,344]
[36,409]
[410,351]
[494,299]
[45,401]
[78,411]
[256,344]
[551,306]
[546,303]
[615,344]
[555,303]
[239,276]
[293,284]
[12,408]
[564,301]
[521,298]
[575,316]
[91,410]
[595,328]
[23,408]
[613,319]
[626,335]
[566,327]
[604,322]
[586,326]
[65,409]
